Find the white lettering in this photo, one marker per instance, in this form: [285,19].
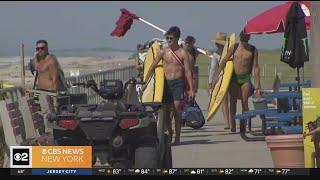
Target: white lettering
[72,151]
[71,171]
[310,107]
[55,171]
[288,53]
[53,151]
[50,158]
[77,151]
[73,158]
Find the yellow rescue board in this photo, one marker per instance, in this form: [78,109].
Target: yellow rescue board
[154,90]
[221,88]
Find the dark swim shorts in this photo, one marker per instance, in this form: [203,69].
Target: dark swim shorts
[173,91]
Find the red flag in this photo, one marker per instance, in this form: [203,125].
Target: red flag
[124,23]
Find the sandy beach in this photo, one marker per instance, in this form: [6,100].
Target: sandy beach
[11,74]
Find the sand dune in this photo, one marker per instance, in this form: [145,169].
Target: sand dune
[11,74]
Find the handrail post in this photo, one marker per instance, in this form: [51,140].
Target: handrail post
[23,85]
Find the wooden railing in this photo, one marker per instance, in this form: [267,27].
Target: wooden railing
[11,93]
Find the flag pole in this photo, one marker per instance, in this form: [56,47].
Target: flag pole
[163,31]
[152,25]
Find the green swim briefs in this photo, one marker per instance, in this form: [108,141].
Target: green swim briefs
[240,79]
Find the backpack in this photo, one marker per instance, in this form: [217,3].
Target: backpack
[192,115]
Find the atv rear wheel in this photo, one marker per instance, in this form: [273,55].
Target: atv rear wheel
[146,157]
[167,157]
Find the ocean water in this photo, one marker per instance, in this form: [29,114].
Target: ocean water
[95,52]
[101,53]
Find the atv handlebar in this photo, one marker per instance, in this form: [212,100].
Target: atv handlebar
[154,105]
[132,81]
[92,84]
[89,84]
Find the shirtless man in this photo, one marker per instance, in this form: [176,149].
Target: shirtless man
[193,54]
[244,63]
[46,66]
[174,82]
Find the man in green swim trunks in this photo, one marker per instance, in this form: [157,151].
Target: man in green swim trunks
[245,59]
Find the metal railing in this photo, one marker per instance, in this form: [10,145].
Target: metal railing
[267,71]
[123,74]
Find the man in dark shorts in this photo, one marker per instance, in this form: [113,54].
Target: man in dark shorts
[193,54]
[175,64]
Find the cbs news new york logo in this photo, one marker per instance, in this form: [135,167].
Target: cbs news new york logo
[50,156]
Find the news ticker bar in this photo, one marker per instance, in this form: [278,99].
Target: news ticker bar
[145,171]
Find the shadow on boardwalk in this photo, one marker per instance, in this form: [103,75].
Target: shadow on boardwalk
[213,146]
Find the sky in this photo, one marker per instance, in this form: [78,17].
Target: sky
[86,25]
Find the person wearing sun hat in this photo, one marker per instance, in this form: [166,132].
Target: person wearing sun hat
[220,40]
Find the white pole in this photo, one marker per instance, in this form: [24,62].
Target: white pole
[163,31]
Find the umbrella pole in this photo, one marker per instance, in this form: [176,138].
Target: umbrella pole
[302,75]
[298,79]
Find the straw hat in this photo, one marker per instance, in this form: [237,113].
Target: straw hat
[221,38]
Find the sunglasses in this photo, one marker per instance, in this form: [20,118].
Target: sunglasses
[40,48]
[169,38]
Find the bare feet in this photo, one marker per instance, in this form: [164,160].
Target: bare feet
[170,137]
[183,122]
[175,143]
